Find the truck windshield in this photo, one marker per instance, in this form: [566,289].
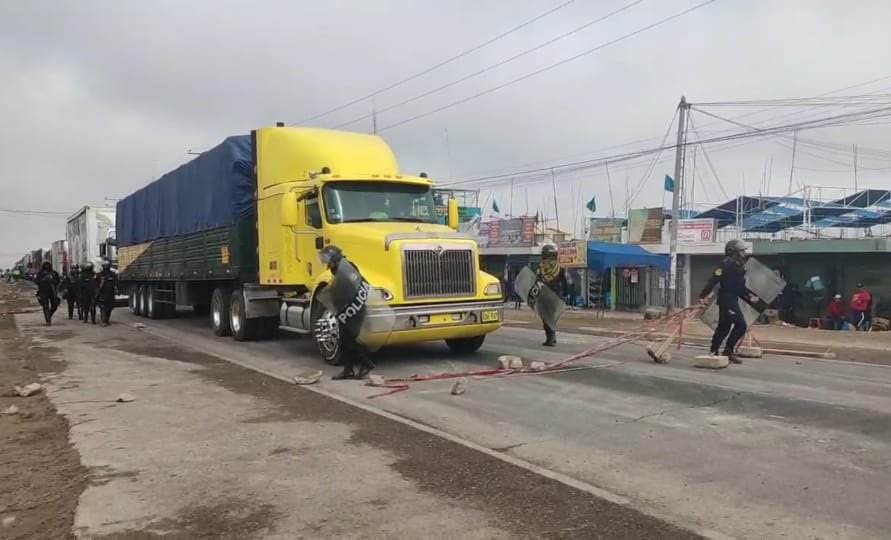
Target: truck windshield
[354,202]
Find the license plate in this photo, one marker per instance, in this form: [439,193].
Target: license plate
[490,316]
[440,319]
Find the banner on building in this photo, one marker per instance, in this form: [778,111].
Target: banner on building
[512,232]
[573,254]
[696,230]
[645,226]
[605,230]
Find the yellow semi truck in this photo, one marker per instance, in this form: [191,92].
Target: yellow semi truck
[236,233]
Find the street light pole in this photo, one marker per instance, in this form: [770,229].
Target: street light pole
[675,202]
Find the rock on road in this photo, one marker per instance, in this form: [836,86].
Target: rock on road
[777,447]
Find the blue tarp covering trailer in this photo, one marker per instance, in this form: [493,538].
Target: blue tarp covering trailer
[216,189]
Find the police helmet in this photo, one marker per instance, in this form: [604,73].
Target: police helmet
[331,255]
[88,266]
[735,248]
[548,251]
[106,265]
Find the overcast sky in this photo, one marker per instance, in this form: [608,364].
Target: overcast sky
[100,97]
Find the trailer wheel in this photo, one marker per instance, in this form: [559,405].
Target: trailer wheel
[152,308]
[243,329]
[326,332]
[219,312]
[143,300]
[133,300]
[463,346]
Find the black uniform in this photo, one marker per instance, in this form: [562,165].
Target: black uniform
[70,292]
[47,292]
[87,298]
[731,275]
[559,285]
[108,285]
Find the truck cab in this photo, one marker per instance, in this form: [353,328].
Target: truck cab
[345,189]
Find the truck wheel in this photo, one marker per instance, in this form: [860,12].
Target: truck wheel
[151,307]
[326,332]
[466,345]
[143,300]
[219,312]
[243,329]
[134,300]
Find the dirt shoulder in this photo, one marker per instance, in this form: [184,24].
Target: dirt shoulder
[40,472]
[868,347]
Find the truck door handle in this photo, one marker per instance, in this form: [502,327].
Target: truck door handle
[319,242]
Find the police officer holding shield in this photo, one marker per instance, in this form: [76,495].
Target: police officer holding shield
[731,276]
[554,277]
[350,303]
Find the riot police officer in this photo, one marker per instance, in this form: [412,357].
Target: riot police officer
[87,296]
[107,288]
[47,291]
[70,290]
[731,276]
[351,308]
[554,277]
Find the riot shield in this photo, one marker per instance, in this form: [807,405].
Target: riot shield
[354,307]
[763,283]
[545,302]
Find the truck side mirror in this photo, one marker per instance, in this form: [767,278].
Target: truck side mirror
[288,213]
[453,214]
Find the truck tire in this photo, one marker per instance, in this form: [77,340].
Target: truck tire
[326,333]
[133,300]
[143,300]
[152,308]
[462,346]
[219,312]
[243,329]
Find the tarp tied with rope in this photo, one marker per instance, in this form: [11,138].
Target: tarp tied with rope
[605,255]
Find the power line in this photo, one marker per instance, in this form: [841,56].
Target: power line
[549,67]
[23,212]
[437,66]
[841,119]
[495,65]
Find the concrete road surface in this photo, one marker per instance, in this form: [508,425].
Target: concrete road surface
[777,447]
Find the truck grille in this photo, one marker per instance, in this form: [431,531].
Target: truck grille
[438,272]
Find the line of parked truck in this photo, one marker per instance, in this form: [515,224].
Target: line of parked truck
[236,232]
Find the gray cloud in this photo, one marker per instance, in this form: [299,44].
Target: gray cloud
[99,97]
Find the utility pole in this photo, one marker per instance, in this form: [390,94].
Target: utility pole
[609,183]
[374,116]
[675,200]
[556,210]
[792,168]
[855,167]
[510,210]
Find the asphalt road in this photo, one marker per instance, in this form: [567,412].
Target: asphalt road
[777,447]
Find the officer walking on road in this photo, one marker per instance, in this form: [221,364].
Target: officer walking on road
[349,316]
[108,286]
[70,291]
[87,296]
[554,277]
[731,276]
[47,291]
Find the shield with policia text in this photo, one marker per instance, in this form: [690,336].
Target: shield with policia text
[760,281]
[354,306]
[544,301]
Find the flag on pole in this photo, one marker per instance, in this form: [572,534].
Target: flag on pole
[495,206]
[669,184]
[592,205]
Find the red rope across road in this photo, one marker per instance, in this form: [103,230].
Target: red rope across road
[401,384]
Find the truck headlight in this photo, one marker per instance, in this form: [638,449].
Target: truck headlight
[492,289]
[385,294]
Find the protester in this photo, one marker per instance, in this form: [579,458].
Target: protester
[861,301]
[47,281]
[554,277]
[836,312]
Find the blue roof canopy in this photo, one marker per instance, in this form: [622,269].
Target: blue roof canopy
[605,255]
